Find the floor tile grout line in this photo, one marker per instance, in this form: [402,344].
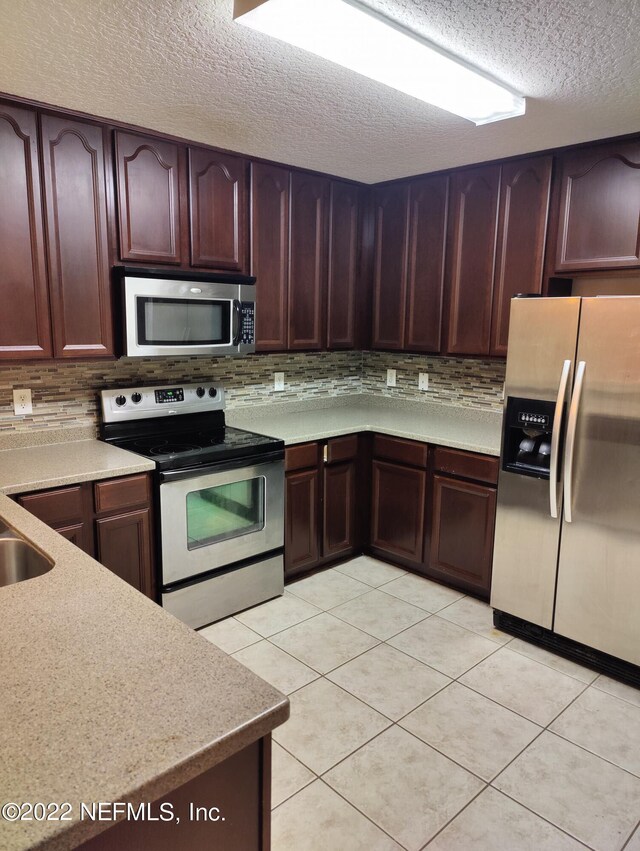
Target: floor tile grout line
[335,615]
[592,753]
[604,691]
[540,662]
[357,656]
[453,818]
[631,835]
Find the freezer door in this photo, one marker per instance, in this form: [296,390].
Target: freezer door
[543,335]
[599,567]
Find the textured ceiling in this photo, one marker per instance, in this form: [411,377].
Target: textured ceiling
[184,67]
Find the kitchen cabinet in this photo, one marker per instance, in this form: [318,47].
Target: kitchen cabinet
[25,330]
[218,210]
[77,220]
[398,500]
[320,503]
[343,265]
[307,261]
[598,208]
[270,190]
[150,181]
[522,229]
[391,214]
[463,519]
[471,258]
[110,520]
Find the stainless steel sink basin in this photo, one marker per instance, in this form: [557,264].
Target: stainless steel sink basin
[20,560]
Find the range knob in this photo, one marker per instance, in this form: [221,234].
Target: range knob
[200,392]
[136,398]
[213,392]
[121,400]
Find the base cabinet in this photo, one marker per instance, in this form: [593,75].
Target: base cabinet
[301,546]
[235,796]
[110,520]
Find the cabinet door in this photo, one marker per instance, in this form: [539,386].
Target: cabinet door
[124,546]
[148,199]
[73,156]
[270,253]
[301,544]
[25,330]
[462,530]
[428,199]
[339,503]
[397,511]
[218,210]
[79,534]
[390,266]
[599,215]
[343,266]
[522,227]
[474,216]
[308,261]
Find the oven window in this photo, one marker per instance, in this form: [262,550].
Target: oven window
[183,321]
[227,511]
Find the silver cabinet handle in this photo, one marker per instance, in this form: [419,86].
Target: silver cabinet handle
[555,439]
[571,441]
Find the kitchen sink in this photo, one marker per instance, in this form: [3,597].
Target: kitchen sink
[19,560]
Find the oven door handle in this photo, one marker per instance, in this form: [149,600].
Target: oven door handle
[168,476]
[237,322]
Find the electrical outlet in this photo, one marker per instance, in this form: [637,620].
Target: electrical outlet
[423,381]
[278,381]
[391,378]
[22,402]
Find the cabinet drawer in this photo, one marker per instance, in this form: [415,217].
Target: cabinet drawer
[342,448]
[467,465]
[301,457]
[116,494]
[55,508]
[403,451]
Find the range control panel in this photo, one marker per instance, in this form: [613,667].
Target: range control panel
[137,403]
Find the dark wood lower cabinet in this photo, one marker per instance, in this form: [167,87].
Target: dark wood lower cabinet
[301,546]
[109,520]
[398,495]
[338,509]
[236,797]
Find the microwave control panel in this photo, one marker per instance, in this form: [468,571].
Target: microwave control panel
[248,312]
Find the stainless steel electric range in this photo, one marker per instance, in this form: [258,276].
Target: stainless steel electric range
[219,497]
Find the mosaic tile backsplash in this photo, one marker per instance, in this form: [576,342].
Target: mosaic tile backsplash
[65,395]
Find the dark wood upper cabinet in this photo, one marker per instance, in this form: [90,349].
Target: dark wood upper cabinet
[73,157]
[522,228]
[25,330]
[307,261]
[391,204]
[428,200]
[218,210]
[343,265]
[148,183]
[270,186]
[599,208]
[471,256]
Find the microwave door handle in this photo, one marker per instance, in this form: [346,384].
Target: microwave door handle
[556,430]
[237,322]
[571,442]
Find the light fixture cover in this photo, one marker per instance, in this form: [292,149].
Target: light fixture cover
[350,34]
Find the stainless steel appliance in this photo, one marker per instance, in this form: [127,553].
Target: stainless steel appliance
[566,566]
[219,497]
[187,313]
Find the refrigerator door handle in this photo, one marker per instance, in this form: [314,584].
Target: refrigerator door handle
[555,439]
[571,441]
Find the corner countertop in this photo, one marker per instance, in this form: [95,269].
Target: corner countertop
[298,422]
[107,697]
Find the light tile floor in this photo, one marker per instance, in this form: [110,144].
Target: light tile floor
[414,723]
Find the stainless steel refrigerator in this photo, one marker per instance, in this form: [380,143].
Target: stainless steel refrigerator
[566,566]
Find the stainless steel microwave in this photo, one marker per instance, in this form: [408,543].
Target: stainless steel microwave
[186,313]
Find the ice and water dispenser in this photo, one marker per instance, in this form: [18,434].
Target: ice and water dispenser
[527,437]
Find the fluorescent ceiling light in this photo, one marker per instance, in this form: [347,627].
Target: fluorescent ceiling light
[354,36]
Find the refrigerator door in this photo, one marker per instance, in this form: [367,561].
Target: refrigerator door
[543,335]
[599,566]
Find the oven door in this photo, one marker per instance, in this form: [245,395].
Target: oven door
[166,317]
[211,519]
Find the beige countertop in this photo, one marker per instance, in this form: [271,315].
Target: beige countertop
[105,696]
[297,422]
